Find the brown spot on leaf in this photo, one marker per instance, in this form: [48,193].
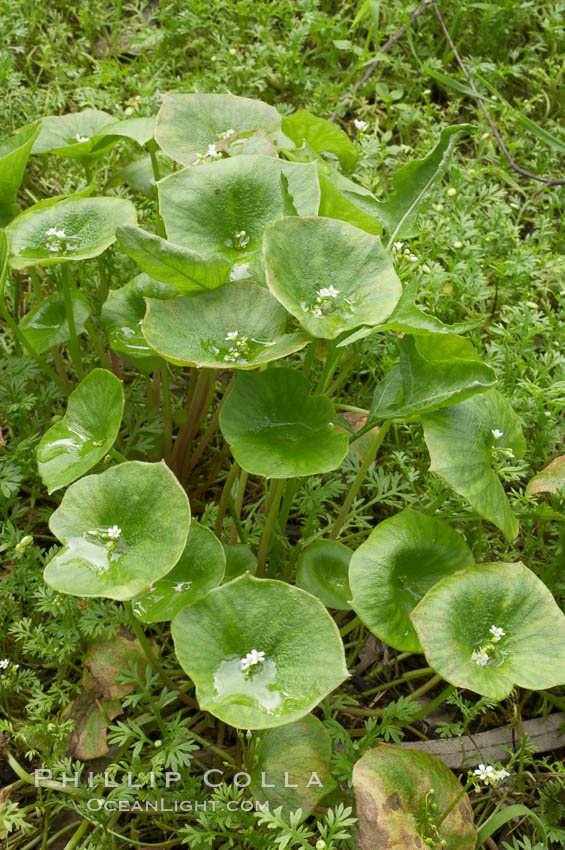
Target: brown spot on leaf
[393,802]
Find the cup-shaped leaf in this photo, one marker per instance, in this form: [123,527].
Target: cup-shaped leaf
[75,135]
[14,153]
[551,479]
[122,530]
[321,135]
[237,326]
[200,568]
[436,370]
[465,440]
[396,566]
[261,652]
[46,324]
[122,315]
[322,569]
[401,797]
[335,205]
[329,274]
[239,560]
[277,429]
[188,123]
[493,626]
[222,207]
[184,269]
[138,174]
[86,432]
[72,229]
[300,753]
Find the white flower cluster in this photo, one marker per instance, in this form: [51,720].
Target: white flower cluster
[241,239]
[239,349]
[227,134]
[80,138]
[400,250]
[251,660]
[110,534]
[324,301]
[490,775]
[211,153]
[5,663]
[361,126]
[58,242]
[497,434]
[485,652]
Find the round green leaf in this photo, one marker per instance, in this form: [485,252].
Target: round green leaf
[200,568]
[277,429]
[455,618]
[222,207]
[549,480]
[73,135]
[394,796]
[322,570]
[122,315]
[121,530]
[46,324]
[303,654]
[14,153]
[85,434]
[188,123]
[237,326]
[465,440]
[86,227]
[329,274]
[300,753]
[396,566]
[321,135]
[239,560]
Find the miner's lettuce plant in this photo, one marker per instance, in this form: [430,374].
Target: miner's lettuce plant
[266,258]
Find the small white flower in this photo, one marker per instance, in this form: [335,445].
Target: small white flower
[4,663]
[251,659]
[397,247]
[321,844]
[361,125]
[227,134]
[490,775]
[496,633]
[80,138]
[212,153]
[496,433]
[232,335]
[114,532]
[480,657]
[317,313]
[328,292]
[182,585]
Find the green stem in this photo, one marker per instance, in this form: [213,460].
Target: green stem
[224,498]
[74,840]
[277,490]
[454,803]
[406,677]
[104,288]
[309,358]
[356,486]
[238,504]
[332,359]
[73,344]
[167,414]
[98,347]
[116,455]
[349,626]
[434,703]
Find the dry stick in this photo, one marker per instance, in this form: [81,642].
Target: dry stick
[384,49]
[548,181]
